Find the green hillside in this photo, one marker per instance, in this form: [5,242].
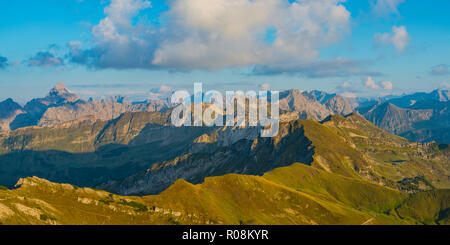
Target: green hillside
[297,194]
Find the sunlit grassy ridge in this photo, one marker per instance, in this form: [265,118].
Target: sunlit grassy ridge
[393,160]
[296,194]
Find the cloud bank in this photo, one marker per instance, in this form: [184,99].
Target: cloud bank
[217,34]
[45,59]
[440,70]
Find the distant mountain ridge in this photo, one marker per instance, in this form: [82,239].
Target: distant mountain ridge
[8,112]
[60,105]
[341,170]
[420,117]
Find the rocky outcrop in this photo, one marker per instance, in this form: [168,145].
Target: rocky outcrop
[339,105]
[306,105]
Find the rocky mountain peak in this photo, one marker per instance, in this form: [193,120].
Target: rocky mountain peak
[8,107]
[60,91]
[339,105]
[9,104]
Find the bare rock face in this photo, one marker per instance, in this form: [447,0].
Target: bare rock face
[339,105]
[304,103]
[102,110]
[60,105]
[320,96]
[72,111]
[160,105]
[35,108]
[60,94]
[395,119]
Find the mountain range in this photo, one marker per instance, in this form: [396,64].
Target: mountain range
[344,170]
[60,105]
[124,163]
[421,117]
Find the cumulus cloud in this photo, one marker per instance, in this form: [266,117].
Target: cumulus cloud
[439,70]
[217,34]
[370,83]
[45,59]
[383,8]
[3,62]
[368,86]
[265,87]
[399,38]
[346,85]
[386,85]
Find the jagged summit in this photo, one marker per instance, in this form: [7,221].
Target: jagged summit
[60,90]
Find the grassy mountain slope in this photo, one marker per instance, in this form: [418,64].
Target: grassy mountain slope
[351,172]
[350,146]
[393,160]
[296,194]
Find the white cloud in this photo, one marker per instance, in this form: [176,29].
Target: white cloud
[370,83]
[384,8]
[345,85]
[386,85]
[445,85]
[220,33]
[162,92]
[399,38]
[165,89]
[215,34]
[265,86]
[348,95]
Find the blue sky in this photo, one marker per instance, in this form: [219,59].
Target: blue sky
[101,48]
